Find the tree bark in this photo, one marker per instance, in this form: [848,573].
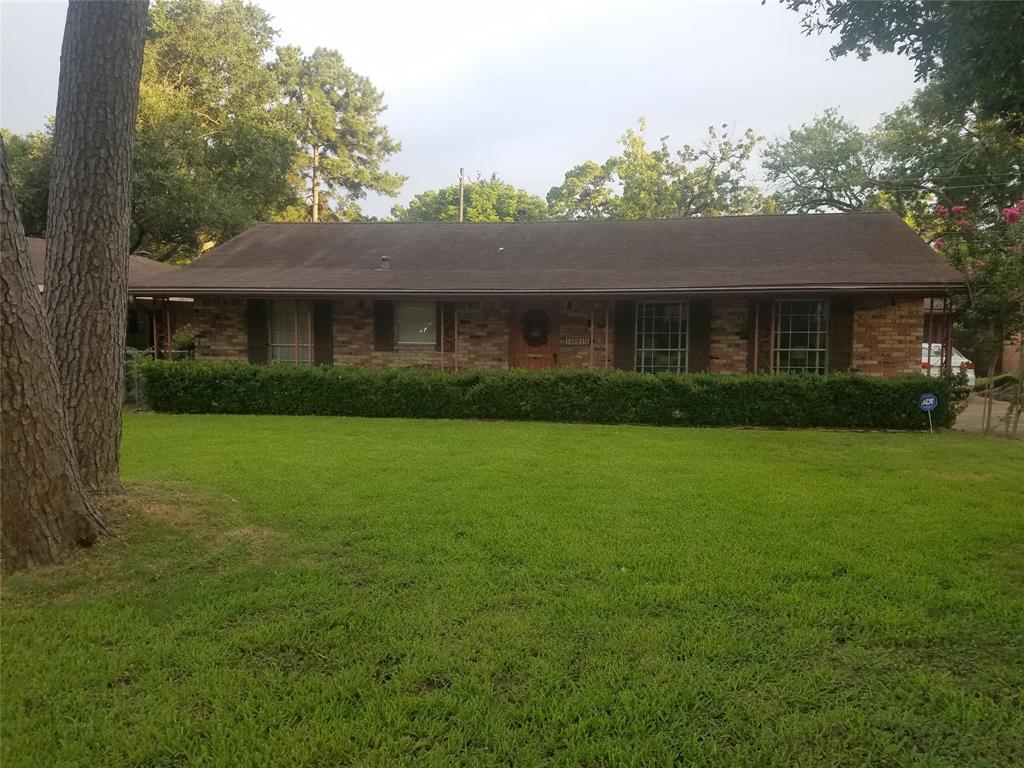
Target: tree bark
[88,223]
[315,179]
[1017,406]
[44,510]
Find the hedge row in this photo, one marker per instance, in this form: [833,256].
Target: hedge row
[606,397]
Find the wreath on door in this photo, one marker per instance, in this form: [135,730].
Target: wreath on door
[536,328]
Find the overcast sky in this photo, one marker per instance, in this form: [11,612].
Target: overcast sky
[530,89]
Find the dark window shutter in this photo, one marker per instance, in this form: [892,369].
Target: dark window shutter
[840,335]
[256,320]
[625,335]
[383,326]
[323,333]
[699,336]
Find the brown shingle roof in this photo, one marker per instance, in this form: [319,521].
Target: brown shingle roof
[818,252]
[141,270]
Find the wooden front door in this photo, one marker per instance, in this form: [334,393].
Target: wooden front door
[534,336]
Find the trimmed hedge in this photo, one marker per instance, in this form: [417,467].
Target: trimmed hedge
[849,401]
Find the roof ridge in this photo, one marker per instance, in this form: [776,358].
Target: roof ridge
[591,221]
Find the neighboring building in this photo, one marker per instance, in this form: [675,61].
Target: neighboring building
[1009,361]
[819,293]
[938,328]
[149,323]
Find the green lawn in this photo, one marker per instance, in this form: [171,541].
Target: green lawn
[317,591]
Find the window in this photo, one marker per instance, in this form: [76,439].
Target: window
[801,337]
[661,335]
[415,323]
[291,332]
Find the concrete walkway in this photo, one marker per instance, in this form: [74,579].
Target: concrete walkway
[971,418]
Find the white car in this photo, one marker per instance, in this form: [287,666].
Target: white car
[934,367]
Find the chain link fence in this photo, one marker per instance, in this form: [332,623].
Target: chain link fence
[133,359]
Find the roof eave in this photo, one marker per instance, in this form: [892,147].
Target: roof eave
[906,289]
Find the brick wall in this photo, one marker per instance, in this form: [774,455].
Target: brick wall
[483,336]
[483,339]
[574,321]
[887,336]
[221,328]
[730,336]
[353,340]
[1010,358]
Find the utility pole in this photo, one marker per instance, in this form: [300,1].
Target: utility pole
[462,179]
[316,182]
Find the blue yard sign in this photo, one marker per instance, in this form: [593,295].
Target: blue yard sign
[928,403]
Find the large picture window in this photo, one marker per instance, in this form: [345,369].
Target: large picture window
[801,337]
[291,332]
[661,337]
[415,323]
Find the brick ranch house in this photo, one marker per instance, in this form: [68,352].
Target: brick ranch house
[817,293]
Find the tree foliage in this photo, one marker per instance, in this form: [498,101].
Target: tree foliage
[213,150]
[931,153]
[485,199]
[970,50]
[989,252]
[919,155]
[342,144]
[827,165]
[585,193]
[642,182]
[222,134]
[30,158]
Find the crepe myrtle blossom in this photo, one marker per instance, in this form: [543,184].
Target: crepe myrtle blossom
[1012,214]
[962,224]
[941,211]
[938,244]
[958,210]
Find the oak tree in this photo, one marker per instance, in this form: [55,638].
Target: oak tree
[214,145]
[484,199]
[645,182]
[970,50]
[827,165]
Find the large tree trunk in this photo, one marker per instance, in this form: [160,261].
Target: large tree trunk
[88,223]
[44,510]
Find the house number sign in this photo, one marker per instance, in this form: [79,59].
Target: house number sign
[576,341]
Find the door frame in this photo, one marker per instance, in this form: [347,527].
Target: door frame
[516,343]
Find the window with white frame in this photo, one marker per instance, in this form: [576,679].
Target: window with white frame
[801,336]
[661,336]
[291,332]
[415,323]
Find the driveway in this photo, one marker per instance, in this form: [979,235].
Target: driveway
[971,418]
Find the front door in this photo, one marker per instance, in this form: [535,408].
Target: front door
[534,336]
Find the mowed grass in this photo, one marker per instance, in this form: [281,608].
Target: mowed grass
[322,592]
